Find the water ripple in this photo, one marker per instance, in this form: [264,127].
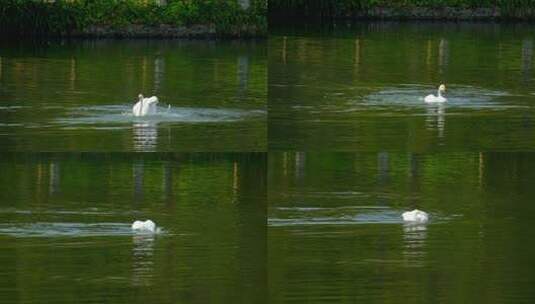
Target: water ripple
[345,215]
[122,114]
[467,97]
[46,229]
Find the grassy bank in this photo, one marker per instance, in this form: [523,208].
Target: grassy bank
[82,17]
[280,10]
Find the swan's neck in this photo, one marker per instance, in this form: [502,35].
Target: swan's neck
[439,94]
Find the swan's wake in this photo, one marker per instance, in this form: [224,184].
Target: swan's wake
[114,114]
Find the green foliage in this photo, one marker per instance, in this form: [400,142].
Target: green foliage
[226,15]
[182,12]
[61,16]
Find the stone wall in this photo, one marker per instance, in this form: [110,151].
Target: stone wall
[403,12]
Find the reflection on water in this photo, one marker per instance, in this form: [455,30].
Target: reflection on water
[145,136]
[54,179]
[414,237]
[357,56]
[299,165]
[443,56]
[167,183]
[435,118]
[65,226]
[138,170]
[243,75]
[142,259]
[159,74]
[336,232]
[527,59]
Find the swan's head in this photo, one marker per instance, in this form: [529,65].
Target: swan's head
[140,97]
[442,88]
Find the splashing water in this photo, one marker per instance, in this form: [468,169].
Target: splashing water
[458,96]
[123,114]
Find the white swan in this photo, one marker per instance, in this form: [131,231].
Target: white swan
[439,97]
[144,226]
[145,106]
[415,216]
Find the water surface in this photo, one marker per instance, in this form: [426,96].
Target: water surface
[65,228]
[361,87]
[78,95]
[335,232]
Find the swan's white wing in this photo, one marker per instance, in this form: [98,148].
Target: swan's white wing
[150,225]
[136,110]
[151,100]
[137,225]
[149,105]
[433,98]
[146,226]
[408,216]
[144,107]
[430,98]
[415,216]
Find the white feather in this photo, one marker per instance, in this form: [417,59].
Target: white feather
[145,106]
[144,226]
[415,216]
[439,98]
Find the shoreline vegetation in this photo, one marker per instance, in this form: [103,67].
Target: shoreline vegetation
[281,11]
[134,18]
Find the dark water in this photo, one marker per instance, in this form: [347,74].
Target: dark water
[335,233]
[361,87]
[65,228]
[78,96]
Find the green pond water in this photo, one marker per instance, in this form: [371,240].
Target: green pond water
[78,95]
[361,87]
[302,227]
[65,228]
[335,232]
